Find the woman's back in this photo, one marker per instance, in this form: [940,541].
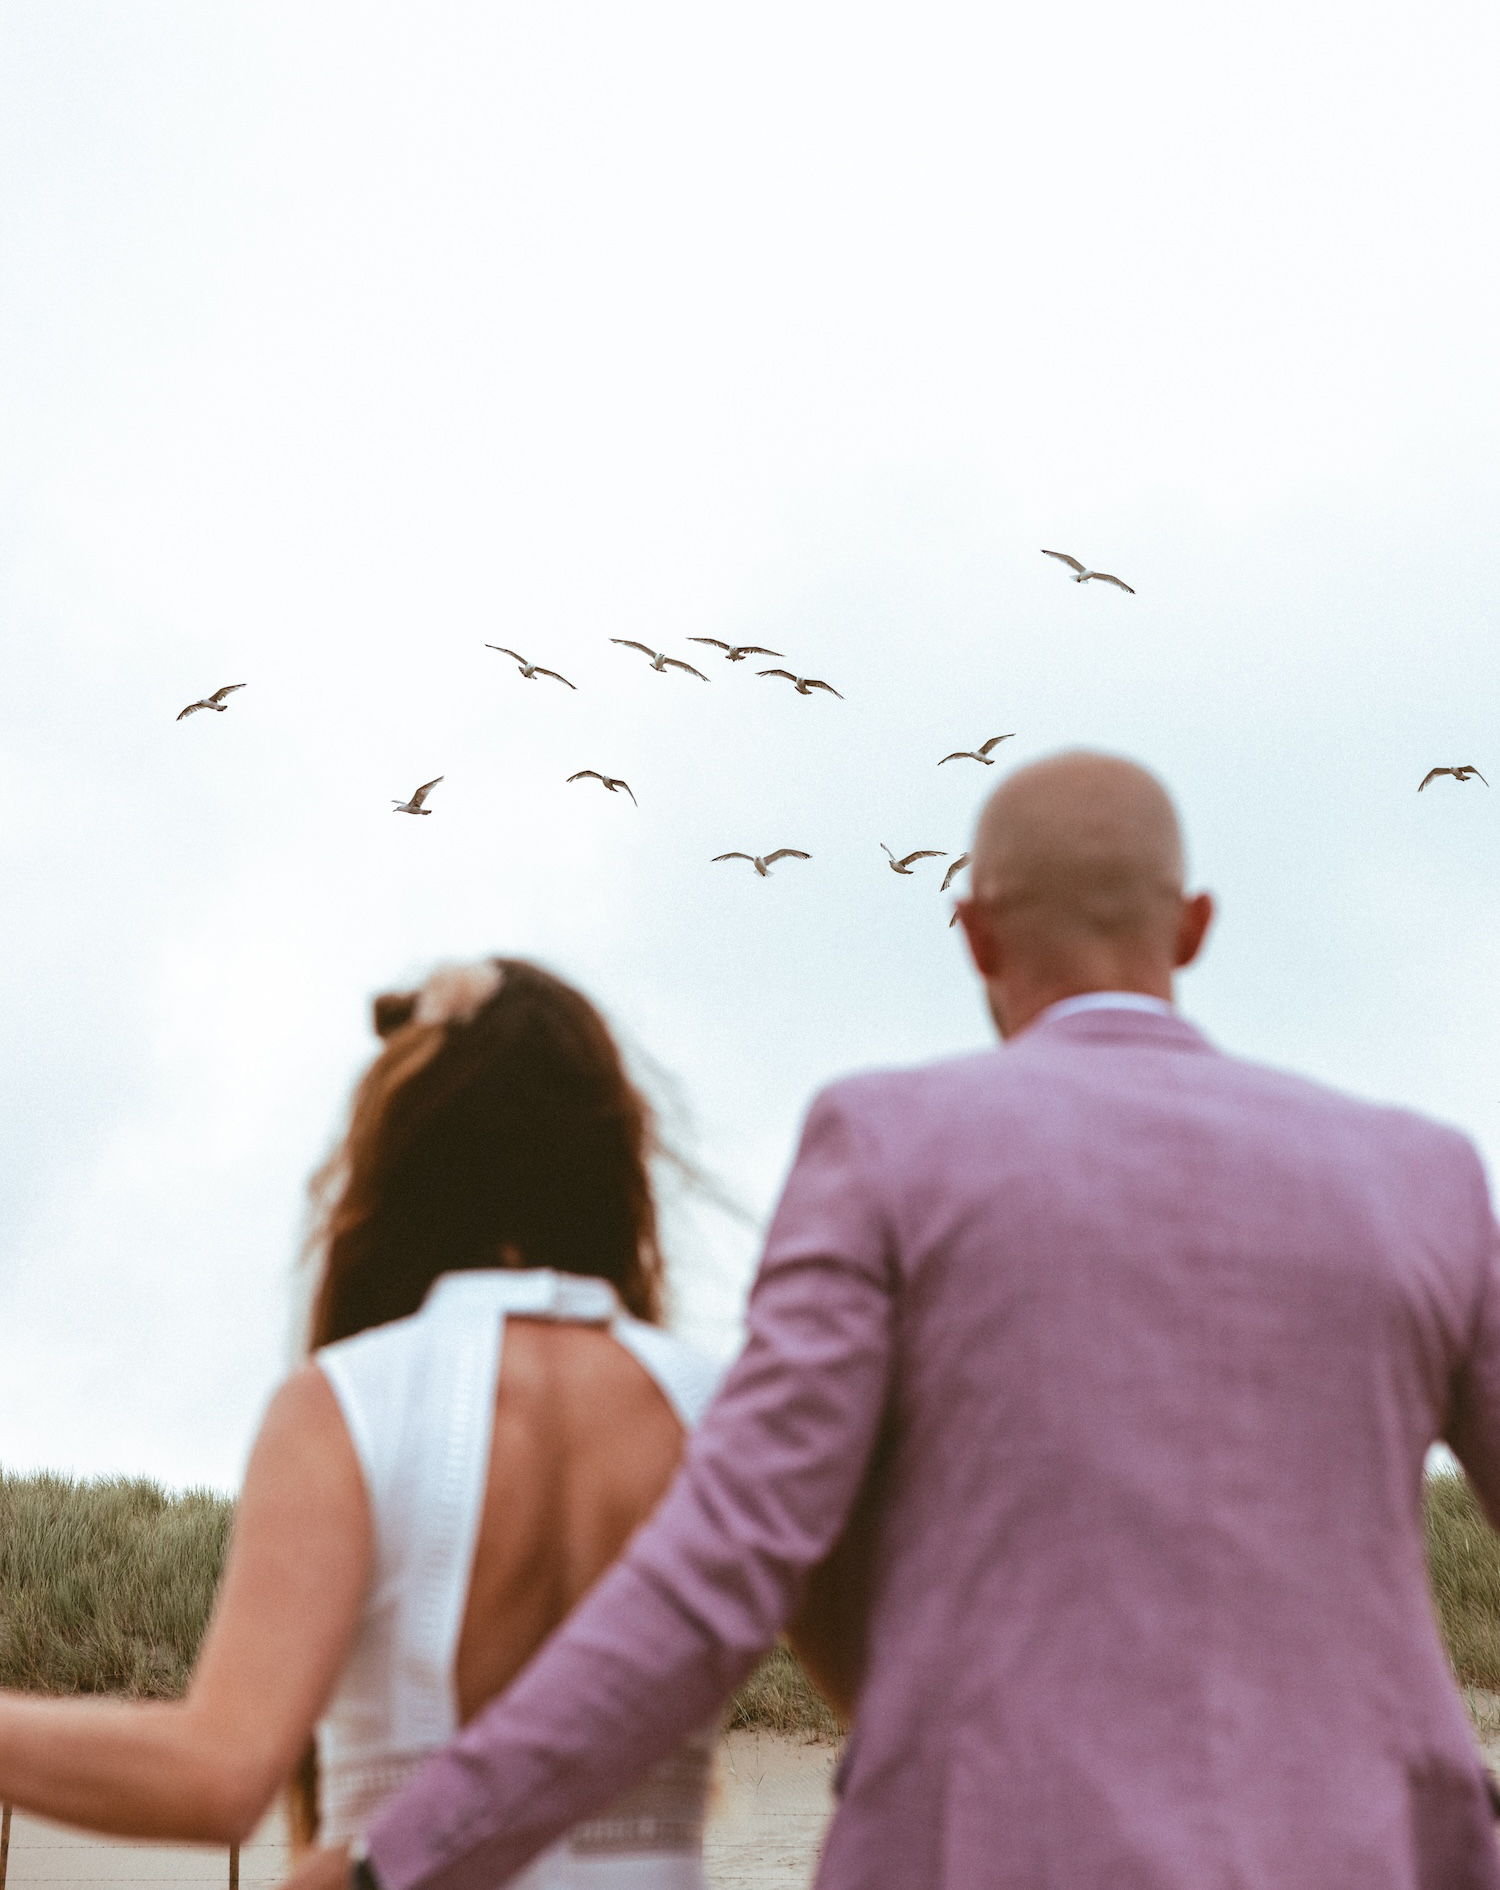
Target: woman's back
[511,1435]
[583,1448]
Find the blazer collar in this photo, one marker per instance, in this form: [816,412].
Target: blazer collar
[1165,1030]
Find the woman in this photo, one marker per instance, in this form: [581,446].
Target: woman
[418,1516]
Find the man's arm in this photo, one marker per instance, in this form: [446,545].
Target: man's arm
[706,1585]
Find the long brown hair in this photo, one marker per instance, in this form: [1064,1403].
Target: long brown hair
[509,1124]
[512,1127]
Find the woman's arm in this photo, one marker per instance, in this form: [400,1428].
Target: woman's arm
[207,1767]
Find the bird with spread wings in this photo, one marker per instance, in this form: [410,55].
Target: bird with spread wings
[737,652]
[530,670]
[804,685]
[1083,575]
[215,701]
[660,662]
[414,805]
[1459,774]
[611,781]
[948,878]
[903,865]
[763,862]
[982,752]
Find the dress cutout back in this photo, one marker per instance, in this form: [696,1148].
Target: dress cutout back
[418,1397]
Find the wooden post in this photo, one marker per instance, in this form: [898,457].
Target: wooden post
[4,1842]
[234,1869]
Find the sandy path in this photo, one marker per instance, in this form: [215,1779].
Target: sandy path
[773,1801]
[47,1854]
[770,1808]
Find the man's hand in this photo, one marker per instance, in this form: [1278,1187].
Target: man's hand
[326,1868]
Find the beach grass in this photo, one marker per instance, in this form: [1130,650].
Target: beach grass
[105,1587]
[1463,1566]
[779,1698]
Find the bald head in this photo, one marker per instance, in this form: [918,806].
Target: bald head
[1083,841]
[1077,879]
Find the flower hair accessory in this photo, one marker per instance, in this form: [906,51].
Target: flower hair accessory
[455,994]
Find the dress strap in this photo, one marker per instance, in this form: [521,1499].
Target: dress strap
[530,1292]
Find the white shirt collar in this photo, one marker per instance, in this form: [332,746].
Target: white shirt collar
[1106,1001]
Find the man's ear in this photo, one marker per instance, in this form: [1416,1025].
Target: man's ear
[984,945]
[1192,928]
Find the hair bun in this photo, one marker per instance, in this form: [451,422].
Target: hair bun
[392,1010]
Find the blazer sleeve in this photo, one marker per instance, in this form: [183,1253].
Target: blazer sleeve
[767,1484]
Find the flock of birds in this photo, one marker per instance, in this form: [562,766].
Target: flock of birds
[661,662]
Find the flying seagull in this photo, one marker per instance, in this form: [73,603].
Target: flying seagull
[948,878]
[737,652]
[903,865]
[414,805]
[1082,574]
[612,782]
[762,862]
[660,661]
[804,684]
[1459,774]
[529,670]
[215,701]
[982,753]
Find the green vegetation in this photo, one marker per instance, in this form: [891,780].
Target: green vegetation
[106,1587]
[779,1697]
[1463,1565]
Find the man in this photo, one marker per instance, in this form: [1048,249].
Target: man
[1123,1357]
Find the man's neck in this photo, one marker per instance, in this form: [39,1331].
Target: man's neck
[1016,1003]
[1107,1001]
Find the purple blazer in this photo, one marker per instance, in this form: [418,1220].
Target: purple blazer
[1160,1340]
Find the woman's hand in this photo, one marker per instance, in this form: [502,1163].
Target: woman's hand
[324,1869]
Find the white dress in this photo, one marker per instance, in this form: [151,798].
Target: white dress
[418,1397]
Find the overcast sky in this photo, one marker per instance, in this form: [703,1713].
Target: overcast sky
[336,341]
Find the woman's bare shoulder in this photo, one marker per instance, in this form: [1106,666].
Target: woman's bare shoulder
[305,1403]
[304,1445]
